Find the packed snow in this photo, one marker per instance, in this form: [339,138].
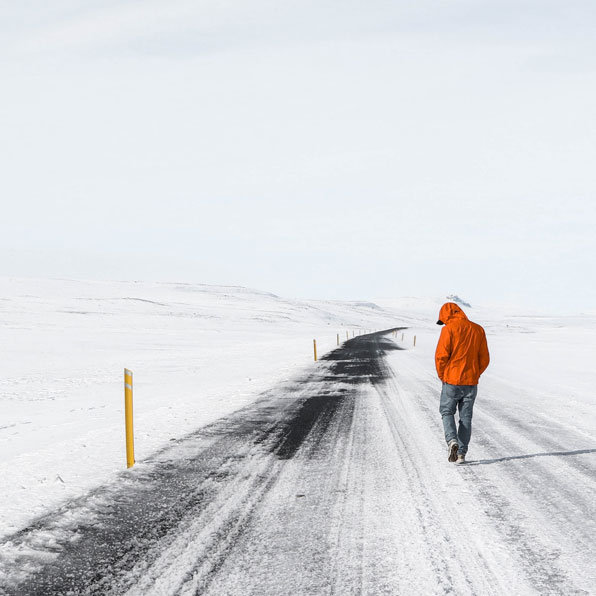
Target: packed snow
[519,518]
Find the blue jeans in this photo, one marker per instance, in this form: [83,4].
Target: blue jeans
[460,397]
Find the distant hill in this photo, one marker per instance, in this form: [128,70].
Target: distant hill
[455,298]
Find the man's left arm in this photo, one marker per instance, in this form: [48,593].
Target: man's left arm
[483,355]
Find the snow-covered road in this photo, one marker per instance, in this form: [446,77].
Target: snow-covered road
[334,483]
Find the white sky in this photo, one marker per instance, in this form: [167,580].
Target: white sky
[323,148]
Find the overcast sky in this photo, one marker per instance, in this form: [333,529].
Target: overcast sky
[322,148]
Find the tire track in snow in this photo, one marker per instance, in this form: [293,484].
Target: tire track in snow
[345,536]
[457,567]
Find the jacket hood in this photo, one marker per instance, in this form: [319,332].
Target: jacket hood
[449,311]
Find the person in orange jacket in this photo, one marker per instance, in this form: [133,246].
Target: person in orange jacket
[461,357]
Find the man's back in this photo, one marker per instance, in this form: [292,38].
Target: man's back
[462,352]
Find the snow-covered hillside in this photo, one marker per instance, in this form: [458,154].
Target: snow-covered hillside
[197,353]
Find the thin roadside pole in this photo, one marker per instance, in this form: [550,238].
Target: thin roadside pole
[314,342]
[128,426]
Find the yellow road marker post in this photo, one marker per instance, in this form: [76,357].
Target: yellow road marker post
[130,443]
[314,341]
[338,339]
[414,341]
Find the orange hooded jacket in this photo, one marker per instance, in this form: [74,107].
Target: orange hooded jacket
[462,352]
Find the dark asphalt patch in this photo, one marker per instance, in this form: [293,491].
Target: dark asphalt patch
[127,519]
[360,360]
[320,410]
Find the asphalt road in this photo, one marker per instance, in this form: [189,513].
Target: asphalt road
[331,484]
[170,526]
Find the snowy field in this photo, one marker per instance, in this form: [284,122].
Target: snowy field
[197,353]
[519,518]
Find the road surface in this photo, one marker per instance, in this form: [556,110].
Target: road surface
[336,483]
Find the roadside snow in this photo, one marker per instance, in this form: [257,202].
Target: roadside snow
[197,353]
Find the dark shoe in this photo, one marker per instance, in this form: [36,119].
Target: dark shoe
[452,450]
[461,459]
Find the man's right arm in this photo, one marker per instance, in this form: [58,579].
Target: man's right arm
[443,352]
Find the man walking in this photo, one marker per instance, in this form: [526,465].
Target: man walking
[461,357]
